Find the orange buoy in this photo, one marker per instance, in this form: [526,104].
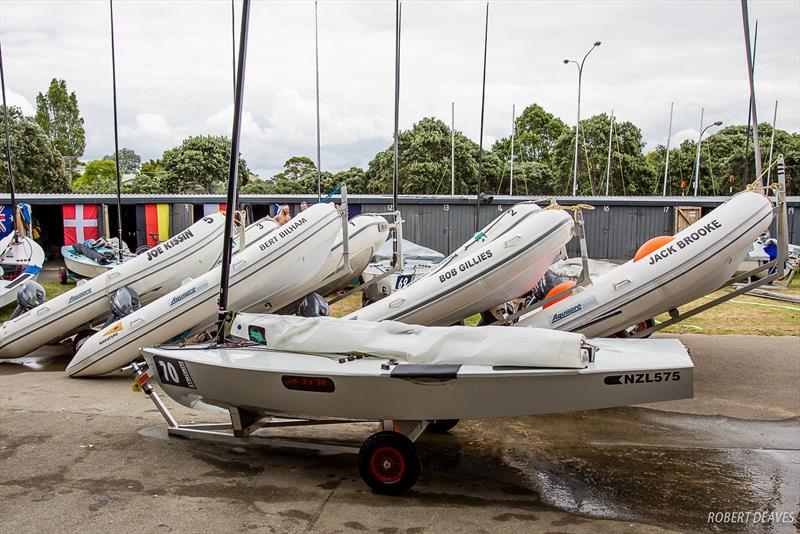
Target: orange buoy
[560,288]
[652,245]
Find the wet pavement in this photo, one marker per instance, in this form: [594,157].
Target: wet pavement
[91,455]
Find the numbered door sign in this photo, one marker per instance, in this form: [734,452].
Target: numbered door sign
[172,372]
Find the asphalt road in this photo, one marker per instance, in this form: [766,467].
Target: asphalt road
[90,455]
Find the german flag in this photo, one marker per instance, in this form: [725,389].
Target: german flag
[152,224]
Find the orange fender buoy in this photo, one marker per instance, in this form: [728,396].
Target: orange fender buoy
[560,288]
[652,245]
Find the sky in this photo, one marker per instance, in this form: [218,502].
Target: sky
[174,68]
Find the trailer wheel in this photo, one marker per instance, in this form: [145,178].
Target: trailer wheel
[442,426]
[63,276]
[80,337]
[389,463]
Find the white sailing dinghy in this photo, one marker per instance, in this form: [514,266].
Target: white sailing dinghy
[501,263]
[21,260]
[406,376]
[163,267]
[286,257]
[666,273]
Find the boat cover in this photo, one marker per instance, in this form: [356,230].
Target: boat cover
[411,252]
[488,345]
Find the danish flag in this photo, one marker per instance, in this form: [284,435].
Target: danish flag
[80,223]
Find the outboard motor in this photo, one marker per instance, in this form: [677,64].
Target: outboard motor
[314,305]
[541,289]
[29,295]
[123,302]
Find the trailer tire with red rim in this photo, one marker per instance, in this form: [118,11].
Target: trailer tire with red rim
[63,276]
[389,463]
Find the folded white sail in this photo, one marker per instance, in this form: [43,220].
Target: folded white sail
[489,345]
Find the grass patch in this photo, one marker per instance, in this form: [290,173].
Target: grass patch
[741,315]
[53,289]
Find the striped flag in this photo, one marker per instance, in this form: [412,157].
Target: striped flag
[80,223]
[152,224]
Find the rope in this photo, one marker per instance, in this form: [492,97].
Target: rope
[575,208]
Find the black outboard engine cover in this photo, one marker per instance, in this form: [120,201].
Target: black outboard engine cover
[29,295]
[123,302]
[314,305]
[540,290]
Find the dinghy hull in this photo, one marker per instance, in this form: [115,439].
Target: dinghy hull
[264,382]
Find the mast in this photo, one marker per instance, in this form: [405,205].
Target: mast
[233,171]
[116,131]
[316,64]
[513,131]
[8,150]
[483,107]
[772,142]
[608,161]
[452,148]
[756,144]
[395,169]
[666,161]
[749,115]
[233,48]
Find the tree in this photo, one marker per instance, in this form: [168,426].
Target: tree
[36,164]
[200,165]
[59,117]
[536,134]
[100,176]
[630,172]
[425,166]
[129,161]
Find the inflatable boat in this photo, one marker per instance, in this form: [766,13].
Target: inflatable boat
[21,260]
[286,257]
[501,263]
[365,234]
[667,272]
[162,268]
[93,257]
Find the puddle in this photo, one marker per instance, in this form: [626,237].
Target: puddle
[642,465]
[49,358]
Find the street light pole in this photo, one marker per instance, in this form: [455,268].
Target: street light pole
[578,122]
[697,158]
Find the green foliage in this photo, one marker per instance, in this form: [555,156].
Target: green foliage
[536,134]
[199,165]
[129,161]
[630,173]
[58,115]
[38,167]
[100,176]
[425,163]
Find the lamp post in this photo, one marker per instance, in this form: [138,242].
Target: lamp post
[578,123]
[697,157]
